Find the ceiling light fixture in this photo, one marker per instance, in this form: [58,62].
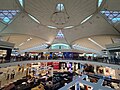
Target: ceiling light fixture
[52,27]
[32,17]
[68,27]
[21,44]
[95,43]
[29,39]
[86,19]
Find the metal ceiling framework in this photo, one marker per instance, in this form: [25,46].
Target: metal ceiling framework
[96,27]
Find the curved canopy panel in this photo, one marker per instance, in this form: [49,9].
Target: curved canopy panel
[89,23]
[112,5]
[97,25]
[2,26]
[23,24]
[23,41]
[97,42]
[8,4]
[74,10]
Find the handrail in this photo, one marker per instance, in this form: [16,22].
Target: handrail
[76,61]
[95,86]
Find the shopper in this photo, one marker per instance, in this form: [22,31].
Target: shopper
[22,68]
[12,74]
[8,74]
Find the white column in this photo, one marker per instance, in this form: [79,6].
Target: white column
[51,71]
[73,66]
[77,86]
[95,69]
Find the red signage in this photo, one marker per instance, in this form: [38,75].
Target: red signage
[55,65]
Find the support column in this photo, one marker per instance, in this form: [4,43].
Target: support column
[52,71]
[8,55]
[95,69]
[77,86]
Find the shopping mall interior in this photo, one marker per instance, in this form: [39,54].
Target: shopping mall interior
[59,44]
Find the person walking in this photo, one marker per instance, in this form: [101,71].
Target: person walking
[22,68]
[12,74]
[8,74]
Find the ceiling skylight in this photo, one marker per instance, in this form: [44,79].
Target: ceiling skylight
[52,27]
[99,2]
[60,7]
[86,19]
[6,16]
[21,2]
[96,43]
[113,16]
[60,46]
[68,27]
[60,35]
[32,17]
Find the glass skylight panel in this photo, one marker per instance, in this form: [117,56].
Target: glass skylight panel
[32,17]
[99,2]
[21,2]
[86,19]
[60,7]
[6,19]
[113,16]
[60,35]
[6,16]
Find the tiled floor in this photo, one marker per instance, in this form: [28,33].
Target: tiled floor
[3,80]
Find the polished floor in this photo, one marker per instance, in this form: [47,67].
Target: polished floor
[3,77]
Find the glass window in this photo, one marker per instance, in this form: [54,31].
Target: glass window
[99,2]
[7,15]
[60,7]
[60,34]
[21,2]
[113,16]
